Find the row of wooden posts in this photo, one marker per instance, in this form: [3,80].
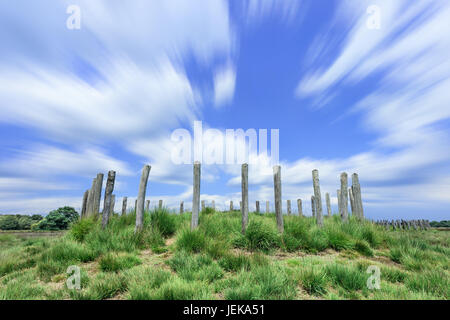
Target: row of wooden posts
[92,197]
[405,224]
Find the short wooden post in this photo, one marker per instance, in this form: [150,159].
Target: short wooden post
[213,205]
[90,200]
[141,198]
[313,206]
[317,197]
[338,192]
[277,193]
[344,197]
[299,207]
[231,206]
[352,202]
[203,205]
[84,204]
[147,205]
[288,207]
[267,206]
[257,206]
[124,205]
[160,204]
[181,207]
[196,195]
[244,191]
[327,199]
[108,193]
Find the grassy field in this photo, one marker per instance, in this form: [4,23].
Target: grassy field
[168,261]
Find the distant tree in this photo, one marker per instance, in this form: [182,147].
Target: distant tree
[9,223]
[25,222]
[59,219]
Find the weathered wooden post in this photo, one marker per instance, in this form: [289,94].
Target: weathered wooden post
[277,192]
[240,206]
[213,205]
[257,206]
[338,192]
[98,193]
[327,199]
[267,206]
[113,203]
[181,207]
[124,205]
[352,202]
[288,202]
[107,201]
[244,192]
[299,207]
[317,197]
[231,206]
[90,201]
[313,206]
[141,198]
[135,205]
[195,196]
[84,204]
[203,205]
[147,205]
[356,189]
[160,204]
[344,197]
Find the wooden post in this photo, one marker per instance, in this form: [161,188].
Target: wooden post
[196,195]
[257,206]
[288,207]
[147,205]
[231,206]
[97,194]
[84,204]
[141,198]
[356,189]
[181,207]
[299,207]
[135,205]
[113,204]
[352,202]
[267,207]
[277,193]
[124,205]
[339,200]
[244,191]
[203,205]
[313,206]
[108,193]
[213,205]
[344,197]
[160,204]
[317,197]
[90,201]
[327,198]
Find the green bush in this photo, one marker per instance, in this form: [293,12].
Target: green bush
[192,241]
[164,221]
[314,281]
[261,236]
[347,277]
[81,228]
[59,219]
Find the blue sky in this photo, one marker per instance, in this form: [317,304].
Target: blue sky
[344,97]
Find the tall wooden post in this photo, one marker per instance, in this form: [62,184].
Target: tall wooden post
[352,202]
[356,189]
[90,200]
[141,198]
[113,204]
[257,206]
[277,193]
[196,195]
[97,194]
[108,193]
[317,197]
[244,191]
[344,197]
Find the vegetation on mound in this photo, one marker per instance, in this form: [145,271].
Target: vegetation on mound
[169,261]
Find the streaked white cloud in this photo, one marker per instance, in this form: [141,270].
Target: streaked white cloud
[224,85]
